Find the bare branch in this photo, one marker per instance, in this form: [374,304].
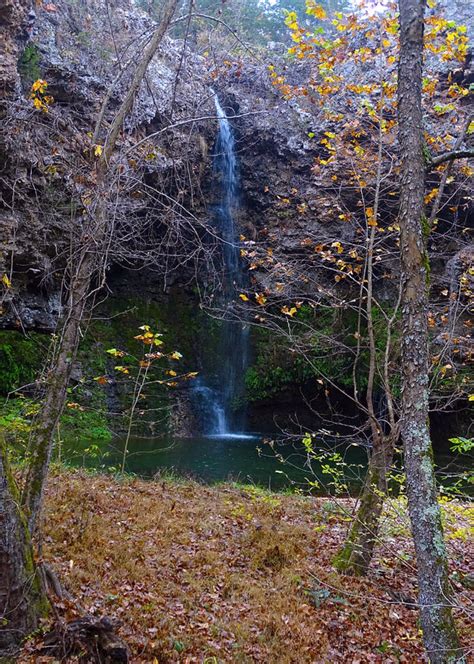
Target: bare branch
[451,156]
[447,172]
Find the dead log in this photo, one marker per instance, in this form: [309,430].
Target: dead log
[92,640]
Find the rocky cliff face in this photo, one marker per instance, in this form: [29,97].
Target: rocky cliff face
[15,20]
[85,51]
[289,203]
[84,55]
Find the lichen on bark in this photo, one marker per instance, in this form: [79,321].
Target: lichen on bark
[22,600]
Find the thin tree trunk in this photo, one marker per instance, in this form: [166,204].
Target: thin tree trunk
[57,383]
[164,20]
[439,632]
[22,602]
[356,555]
[91,257]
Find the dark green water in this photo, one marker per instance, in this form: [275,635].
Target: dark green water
[247,459]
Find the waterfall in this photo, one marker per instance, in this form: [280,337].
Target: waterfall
[221,393]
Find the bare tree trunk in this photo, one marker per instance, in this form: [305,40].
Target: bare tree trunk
[164,20]
[90,262]
[57,382]
[439,632]
[356,555]
[22,602]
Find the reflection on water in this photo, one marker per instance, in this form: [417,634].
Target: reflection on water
[245,458]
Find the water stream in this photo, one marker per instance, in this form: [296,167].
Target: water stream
[220,395]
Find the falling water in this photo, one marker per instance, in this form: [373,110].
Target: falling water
[221,393]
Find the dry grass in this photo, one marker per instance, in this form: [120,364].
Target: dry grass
[227,574]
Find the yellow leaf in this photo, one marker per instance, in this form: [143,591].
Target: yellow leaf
[39,86]
[243,297]
[98,150]
[432,194]
[115,353]
[6,281]
[260,297]
[371,220]
[176,355]
[313,9]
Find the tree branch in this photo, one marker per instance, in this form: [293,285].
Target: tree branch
[447,171]
[166,16]
[450,156]
[214,19]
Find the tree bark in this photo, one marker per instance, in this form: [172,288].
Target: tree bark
[22,602]
[439,632]
[57,383]
[356,555]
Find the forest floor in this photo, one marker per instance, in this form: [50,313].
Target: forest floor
[235,574]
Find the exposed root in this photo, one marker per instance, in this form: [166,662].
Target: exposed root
[91,640]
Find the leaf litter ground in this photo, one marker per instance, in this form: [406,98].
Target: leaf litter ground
[235,574]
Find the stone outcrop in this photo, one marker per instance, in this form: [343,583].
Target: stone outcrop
[16,17]
[79,54]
